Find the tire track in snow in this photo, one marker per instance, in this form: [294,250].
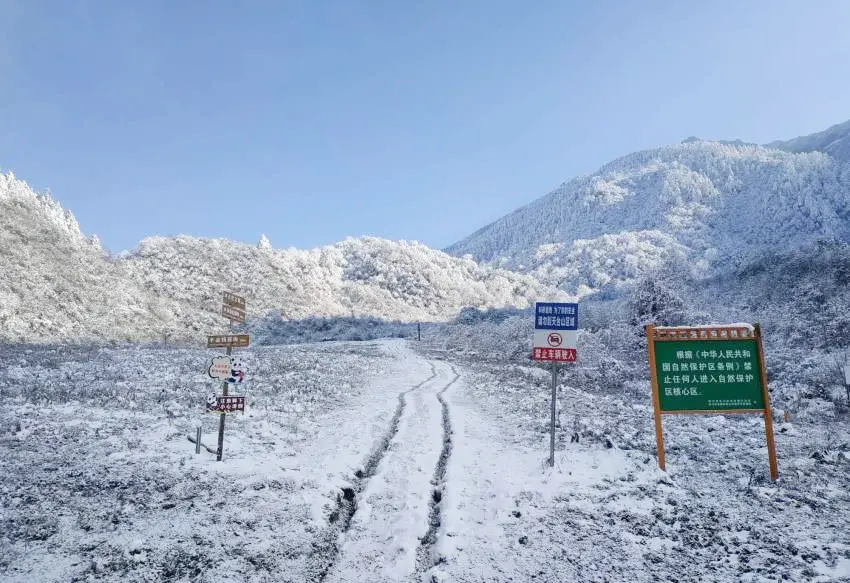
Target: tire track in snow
[395,507]
[340,518]
[371,465]
[425,558]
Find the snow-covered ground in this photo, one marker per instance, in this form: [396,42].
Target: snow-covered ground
[102,484]
[606,513]
[383,461]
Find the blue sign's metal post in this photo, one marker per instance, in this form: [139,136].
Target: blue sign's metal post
[198,440]
[554,396]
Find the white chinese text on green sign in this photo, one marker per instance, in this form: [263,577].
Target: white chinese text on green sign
[708,375]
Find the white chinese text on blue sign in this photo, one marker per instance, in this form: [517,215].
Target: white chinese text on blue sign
[555,316]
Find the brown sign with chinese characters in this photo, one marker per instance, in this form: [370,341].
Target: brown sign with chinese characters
[228,340]
[233,314]
[234,301]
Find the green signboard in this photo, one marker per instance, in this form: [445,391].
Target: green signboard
[708,375]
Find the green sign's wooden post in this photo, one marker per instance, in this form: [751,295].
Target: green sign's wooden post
[659,432]
[712,369]
[768,414]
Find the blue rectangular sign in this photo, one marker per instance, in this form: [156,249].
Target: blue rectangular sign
[552,316]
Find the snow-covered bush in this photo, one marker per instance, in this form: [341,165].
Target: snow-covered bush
[272,330]
[817,411]
[653,301]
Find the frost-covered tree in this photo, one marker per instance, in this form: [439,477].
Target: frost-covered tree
[654,301]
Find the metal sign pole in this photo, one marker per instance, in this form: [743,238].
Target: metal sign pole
[555,339]
[221,418]
[552,428]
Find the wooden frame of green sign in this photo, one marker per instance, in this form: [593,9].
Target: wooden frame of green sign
[743,390]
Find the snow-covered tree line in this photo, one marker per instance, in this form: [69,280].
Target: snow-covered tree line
[60,285]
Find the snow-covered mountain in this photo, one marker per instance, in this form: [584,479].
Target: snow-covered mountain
[695,208]
[59,284]
[700,206]
[834,141]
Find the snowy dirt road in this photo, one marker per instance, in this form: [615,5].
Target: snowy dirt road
[388,537]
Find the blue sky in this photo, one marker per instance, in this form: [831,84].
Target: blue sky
[311,121]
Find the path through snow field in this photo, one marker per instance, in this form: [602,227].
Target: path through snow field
[382,462]
[388,537]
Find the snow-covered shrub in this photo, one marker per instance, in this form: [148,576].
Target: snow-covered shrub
[601,315]
[654,301]
[817,411]
[274,330]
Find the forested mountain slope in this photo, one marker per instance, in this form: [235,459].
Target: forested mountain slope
[701,205]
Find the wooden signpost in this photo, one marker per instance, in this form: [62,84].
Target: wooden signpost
[709,369]
[233,314]
[233,308]
[237,302]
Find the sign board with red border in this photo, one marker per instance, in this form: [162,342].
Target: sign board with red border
[555,332]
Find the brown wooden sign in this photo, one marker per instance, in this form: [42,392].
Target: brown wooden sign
[234,301]
[233,314]
[228,341]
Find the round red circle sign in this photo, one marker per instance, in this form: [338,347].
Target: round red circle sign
[555,339]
